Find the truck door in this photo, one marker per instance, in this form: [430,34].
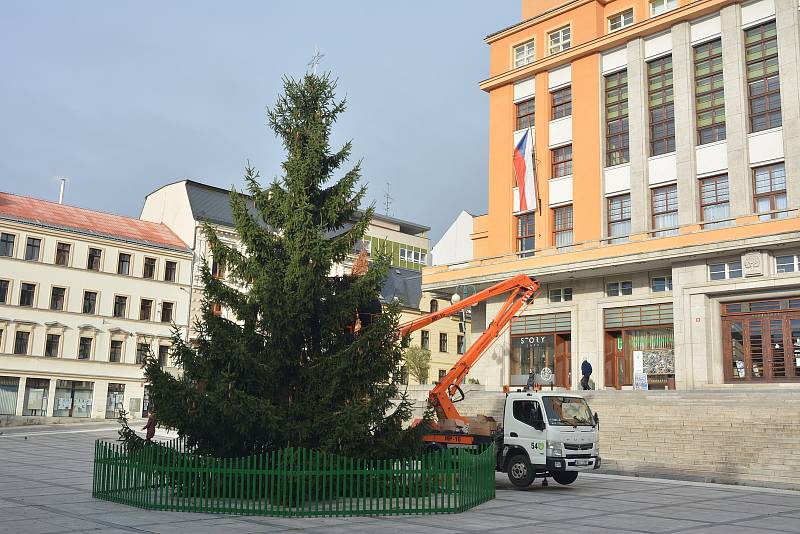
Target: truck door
[525,429]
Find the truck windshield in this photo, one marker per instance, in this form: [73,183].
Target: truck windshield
[567,411]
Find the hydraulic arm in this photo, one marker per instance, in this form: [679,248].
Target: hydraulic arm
[521,290]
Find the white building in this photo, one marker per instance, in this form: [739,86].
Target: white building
[455,246]
[83,295]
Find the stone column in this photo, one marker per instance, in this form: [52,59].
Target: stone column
[739,180]
[683,91]
[788,51]
[638,134]
[21,396]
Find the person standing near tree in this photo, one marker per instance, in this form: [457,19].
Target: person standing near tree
[151,425]
[586,371]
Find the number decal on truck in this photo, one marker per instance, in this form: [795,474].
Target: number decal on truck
[538,446]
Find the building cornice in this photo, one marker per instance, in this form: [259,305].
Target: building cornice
[621,263]
[651,26]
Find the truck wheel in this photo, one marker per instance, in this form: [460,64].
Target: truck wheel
[565,477]
[519,471]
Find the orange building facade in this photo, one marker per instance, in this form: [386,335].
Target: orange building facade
[661,213]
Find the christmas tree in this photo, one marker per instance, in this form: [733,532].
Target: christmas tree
[293,369]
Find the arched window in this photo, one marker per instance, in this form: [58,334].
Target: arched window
[434,305]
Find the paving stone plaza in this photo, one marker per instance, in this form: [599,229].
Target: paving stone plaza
[46,480]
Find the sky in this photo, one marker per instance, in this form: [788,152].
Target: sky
[124,97]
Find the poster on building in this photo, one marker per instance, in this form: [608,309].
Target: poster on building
[35,399]
[639,376]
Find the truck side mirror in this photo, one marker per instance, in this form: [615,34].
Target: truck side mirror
[596,419]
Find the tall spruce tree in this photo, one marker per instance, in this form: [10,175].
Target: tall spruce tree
[291,371]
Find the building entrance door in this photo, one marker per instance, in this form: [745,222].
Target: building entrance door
[563,362]
[614,364]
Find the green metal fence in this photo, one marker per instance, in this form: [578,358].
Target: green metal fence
[291,482]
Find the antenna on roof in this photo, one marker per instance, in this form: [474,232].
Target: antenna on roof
[61,189]
[387,199]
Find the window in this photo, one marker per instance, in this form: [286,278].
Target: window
[93,262]
[32,249]
[166,312]
[659,284]
[27,294]
[528,412]
[562,294]
[149,269]
[616,289]
[526,112]
[124,264]
[723,271]
[7,244]
[425,340]
[561,161]
[524,54]
[662,112]
[763,83]
[665,210]
[57,295]
[442,374]
[434,307]
[442,342]
[769,191]
[786,264]
[85,348]
[21,340]
[658,7]
[217,268]
[561,103]
[559,40]
[163,355]
[4,291]
[620,20]
[115,353]
[562,226]
[216,309]
[617,139]
[714,201]
[62,253]
[145,309]
[619,218]
[460,345]
[526,238]
[51,345]
[412,256]
[709,92]
[89,302]
[120,306]
[142,349]
[170,268]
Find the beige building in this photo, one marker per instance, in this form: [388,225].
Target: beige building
[83,295]
[185,206]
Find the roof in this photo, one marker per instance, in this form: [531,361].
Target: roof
[53,215]
[212,204]
[403,284]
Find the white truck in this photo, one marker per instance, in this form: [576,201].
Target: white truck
[545,434]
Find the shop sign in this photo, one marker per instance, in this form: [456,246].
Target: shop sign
[531,341]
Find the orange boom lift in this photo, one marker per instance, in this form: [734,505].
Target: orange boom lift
[521,290]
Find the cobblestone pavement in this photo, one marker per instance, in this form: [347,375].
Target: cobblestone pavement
[46,479]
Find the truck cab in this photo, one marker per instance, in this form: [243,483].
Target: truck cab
[551,434]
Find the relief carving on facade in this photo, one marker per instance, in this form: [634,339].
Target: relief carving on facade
[752,264]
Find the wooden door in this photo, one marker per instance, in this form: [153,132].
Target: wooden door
[613,355]
[563,361]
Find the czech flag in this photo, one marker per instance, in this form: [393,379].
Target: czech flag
[524,173]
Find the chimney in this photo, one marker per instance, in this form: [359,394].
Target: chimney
[61,191]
